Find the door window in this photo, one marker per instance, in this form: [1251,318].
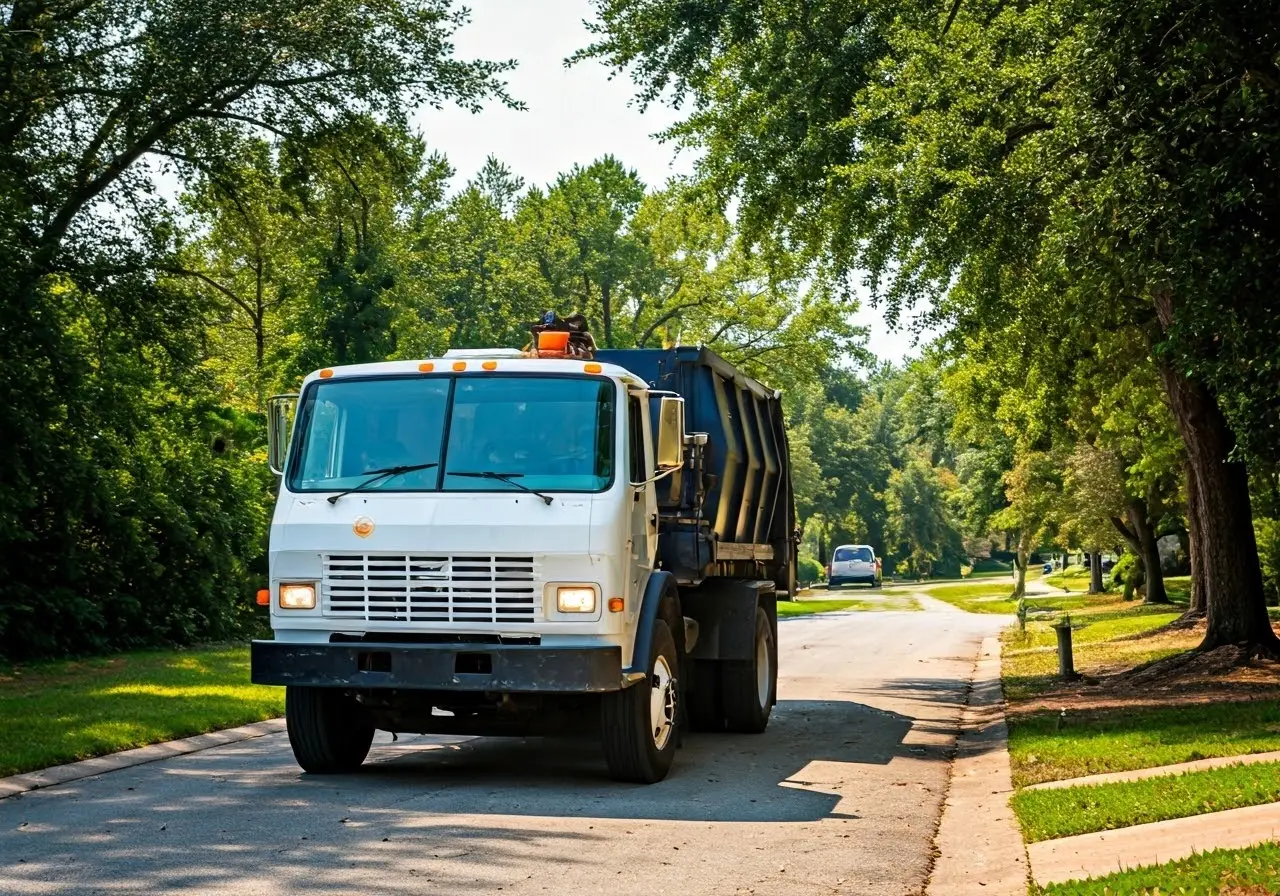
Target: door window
[639,469]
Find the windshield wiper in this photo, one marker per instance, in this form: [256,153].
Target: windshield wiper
[509,478]
[379,475]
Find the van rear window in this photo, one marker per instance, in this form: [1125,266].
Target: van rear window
[845,554]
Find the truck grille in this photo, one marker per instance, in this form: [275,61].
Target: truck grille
[428,588]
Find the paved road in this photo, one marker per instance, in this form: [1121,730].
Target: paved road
[841,795]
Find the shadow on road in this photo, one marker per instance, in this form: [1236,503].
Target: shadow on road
[788,774]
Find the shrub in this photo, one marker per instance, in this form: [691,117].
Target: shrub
[1126,568]
[808,570]
[1267,532]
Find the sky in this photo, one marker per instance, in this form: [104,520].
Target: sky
[573,115]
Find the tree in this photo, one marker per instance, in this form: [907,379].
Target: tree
[577,230]
[1033,489]
[1020,162]
[246,263]
[114,405]
[919,516]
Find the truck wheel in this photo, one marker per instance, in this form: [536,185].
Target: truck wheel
[705,709]
[641,723]
[749,686]
[328,731]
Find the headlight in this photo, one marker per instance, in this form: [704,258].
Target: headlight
[298,597]
[575,599]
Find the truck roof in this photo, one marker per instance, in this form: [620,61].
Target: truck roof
[472,361]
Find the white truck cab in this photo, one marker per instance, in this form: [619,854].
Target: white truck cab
[470,544]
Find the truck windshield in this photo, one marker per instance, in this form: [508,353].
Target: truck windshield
[549,433]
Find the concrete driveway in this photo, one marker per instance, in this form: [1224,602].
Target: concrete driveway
[841,795]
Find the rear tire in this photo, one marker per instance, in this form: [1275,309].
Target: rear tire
[329,732]
[750,686]
[641,724]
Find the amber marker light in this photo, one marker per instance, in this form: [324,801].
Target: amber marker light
[426,367]
[615,605]
[264,597]
[459,365]
[326,373]
[592,368]
[490,365]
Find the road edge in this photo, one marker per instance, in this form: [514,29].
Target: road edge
[978,845]
[15,785]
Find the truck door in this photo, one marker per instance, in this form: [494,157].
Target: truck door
[643,534]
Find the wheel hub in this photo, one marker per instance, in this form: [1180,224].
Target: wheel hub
[662,702]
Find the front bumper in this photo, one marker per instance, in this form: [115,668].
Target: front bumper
[508,668]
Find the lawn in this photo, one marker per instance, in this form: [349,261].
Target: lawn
[804,607]
[60,712]
[1046,746]
[1104,638]
[1049,814]
[1244,871]
[975,598]
[1073,578]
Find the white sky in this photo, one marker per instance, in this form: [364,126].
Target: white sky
[574,115]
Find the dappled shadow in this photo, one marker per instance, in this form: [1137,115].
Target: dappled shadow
[717,777]
[220,820]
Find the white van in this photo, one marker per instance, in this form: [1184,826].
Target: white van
[853,563]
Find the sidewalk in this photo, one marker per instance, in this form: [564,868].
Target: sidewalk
[1104,852]
[978,842]
[1095,855]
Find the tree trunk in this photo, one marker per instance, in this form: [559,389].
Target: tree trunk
[1095,573]
[1148,550]
[606,314]
[1197,605]
[1224,550]
[1020,567]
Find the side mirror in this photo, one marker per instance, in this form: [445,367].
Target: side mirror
[670,455]
[280,413]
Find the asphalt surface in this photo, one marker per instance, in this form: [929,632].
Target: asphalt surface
[841,795]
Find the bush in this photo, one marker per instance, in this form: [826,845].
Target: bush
[1267,532]
[1125,570]
[808,570]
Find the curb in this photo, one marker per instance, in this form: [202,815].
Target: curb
[74,771]
[979,843]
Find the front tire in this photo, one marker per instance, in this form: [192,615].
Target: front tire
[329,731]
[749,687]
[641,724]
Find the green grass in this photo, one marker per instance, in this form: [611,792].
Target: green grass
[1104,630]
[1073,578]
[1095,741]
[1049,814]
[977,598]
[60,712]
[1248,871]
[803,607]
[898,602]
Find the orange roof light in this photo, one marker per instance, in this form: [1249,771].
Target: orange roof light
[426,367]
[592,368]
[553,341]
[459,365]
[326,373]
[490,365]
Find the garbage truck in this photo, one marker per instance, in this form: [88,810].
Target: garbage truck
[526,542]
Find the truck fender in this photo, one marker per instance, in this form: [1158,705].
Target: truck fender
[662,585]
